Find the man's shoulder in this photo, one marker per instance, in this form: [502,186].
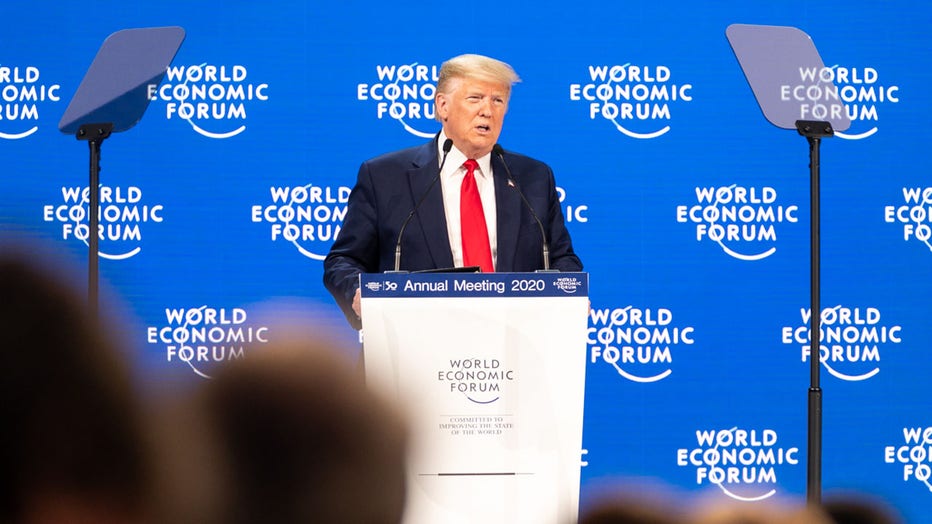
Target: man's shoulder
[524,163]
[404,158]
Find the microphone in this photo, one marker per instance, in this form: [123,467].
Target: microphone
[447,146]
[497,149]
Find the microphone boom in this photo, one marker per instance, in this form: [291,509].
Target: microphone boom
[497,149]
[447,145]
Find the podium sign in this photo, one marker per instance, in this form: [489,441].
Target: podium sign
[491,370]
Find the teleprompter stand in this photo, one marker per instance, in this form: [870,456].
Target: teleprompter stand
[773,59]
[814,131]
[95,134]
[112,98]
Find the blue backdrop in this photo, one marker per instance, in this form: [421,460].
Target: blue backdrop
[229,192]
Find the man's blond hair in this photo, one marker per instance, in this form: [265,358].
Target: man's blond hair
[478,67]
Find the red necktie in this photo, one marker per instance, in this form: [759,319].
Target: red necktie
[476,250]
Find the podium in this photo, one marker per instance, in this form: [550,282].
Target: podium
[490,369]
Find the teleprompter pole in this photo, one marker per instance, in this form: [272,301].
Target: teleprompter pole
[814,131]
[95,134]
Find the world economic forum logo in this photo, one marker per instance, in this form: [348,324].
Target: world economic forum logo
[404,93]
[123,215]
[743,463]
[204,336]
[743,221]
[309,217]
[914,454]
[858,89]
[914,214]
[212,99]
[636,342]
[568,285]
[480,380]
[638,100]
[387,286]
[573,211]
[850,338]
[22,93]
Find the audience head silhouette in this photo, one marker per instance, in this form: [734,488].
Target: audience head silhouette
[72,447]
[304,440]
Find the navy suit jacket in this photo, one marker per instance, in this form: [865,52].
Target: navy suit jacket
[387,189]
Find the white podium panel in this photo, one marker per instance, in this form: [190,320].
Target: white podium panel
[491,368]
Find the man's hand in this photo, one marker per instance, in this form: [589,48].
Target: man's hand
[357,304]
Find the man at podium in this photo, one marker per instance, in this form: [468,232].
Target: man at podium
[492,209]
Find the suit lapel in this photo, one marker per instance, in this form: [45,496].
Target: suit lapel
[430,216]
[508,207]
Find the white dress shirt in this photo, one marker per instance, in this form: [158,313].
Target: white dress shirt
[450,181]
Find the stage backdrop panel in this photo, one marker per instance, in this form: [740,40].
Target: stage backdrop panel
[690,211]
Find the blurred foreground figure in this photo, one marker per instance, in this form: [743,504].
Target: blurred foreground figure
[859,508]
[303,440]
[628,509]
[72,441]
[760,513]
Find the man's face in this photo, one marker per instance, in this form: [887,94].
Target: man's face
[472,112]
